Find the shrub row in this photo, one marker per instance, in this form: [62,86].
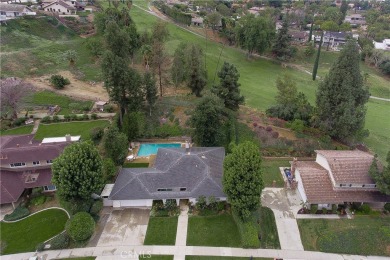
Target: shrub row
[248,232]
[67,118]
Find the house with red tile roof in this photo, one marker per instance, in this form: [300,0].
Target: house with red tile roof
[25,164]
[337,177]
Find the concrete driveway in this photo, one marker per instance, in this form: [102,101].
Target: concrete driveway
[125,227]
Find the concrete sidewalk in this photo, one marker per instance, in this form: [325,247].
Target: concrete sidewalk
[132,252]
[181,233]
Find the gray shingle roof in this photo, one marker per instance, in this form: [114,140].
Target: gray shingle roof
[199,170]
[14,8]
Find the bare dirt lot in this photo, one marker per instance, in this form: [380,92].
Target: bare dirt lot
[77,89]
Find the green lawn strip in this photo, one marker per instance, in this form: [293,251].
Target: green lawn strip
[268,230]
[72,128]
[161,231]
[135,165]
[156,257]
[195,257]
[363,235]
[78,258]
[25,235]
[22,130]
[219,231]
[48,98]
[271,171]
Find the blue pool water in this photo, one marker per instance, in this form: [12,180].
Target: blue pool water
[148,149]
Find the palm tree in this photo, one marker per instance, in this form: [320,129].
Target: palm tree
[146,51]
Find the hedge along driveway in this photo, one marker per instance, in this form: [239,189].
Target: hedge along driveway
[26,234]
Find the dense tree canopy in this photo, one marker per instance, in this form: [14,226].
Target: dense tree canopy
[208,120]
[229,89]
[197,74]
[77,172]
[150,90]
[12,93]
[115,145]
[179,70]
[242,178]
[341,96]
[381,178]
[282,46]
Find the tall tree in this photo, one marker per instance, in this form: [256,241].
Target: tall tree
[146,51]
[229,88]
[381,178]
[160,34]
[150,90]
[341,97]
[115,145]
[213,19]
[208,119]
[77,172]
[311,31]
[12,93]
[282,45]
[255,34]
[242,178]
[179,70]
[343,9]
[317,61]
[197,73]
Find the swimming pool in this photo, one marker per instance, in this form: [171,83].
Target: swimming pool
[148,149]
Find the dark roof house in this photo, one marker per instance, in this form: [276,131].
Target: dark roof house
[178,173]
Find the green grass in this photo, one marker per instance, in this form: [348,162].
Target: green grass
[157,257]
[271,172]
[363,235]
[72,128]
[135,165]
[194,257]
[161,231]
[22,130]
[46,98]
[219,231]
[78,258]
[268,229]
[25,235]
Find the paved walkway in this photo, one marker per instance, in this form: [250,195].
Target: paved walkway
[181,234]
[285,205]
[36,125]
[132,252]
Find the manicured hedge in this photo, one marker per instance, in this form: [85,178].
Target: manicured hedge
[80,227]
[18,213]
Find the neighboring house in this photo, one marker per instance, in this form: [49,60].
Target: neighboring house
[12,11]
[355,19]
[335,40]
[197,21]
[60,7]
[18,1]
[299,36]
[25,164]
[337,177]
[385,45]
[178,173]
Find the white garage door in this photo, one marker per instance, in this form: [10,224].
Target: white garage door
[133,203]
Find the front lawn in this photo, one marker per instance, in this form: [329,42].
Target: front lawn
[271,172]
[161,231]
[219,231]
[23,130]
[25,235]
[363,235]
[72,128]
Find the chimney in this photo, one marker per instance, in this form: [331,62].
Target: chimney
[187,145]
[68,138]
[293,166]
[17,145]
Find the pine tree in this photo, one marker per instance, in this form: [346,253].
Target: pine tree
[229,88]
[316,62]
[282,45]
[179,70]
[150,90]
[197,75]
[342,95]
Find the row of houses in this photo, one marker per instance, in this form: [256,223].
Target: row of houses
[335,177]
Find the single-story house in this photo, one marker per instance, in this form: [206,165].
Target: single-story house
[60,7]
[355,19]
[12,11]
[299,36]
[178,173]
[25,164]
[337,177]
[99,105]
[385,45]
[197,21]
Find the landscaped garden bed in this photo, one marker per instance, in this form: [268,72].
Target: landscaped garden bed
[362,235]
[26,234]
